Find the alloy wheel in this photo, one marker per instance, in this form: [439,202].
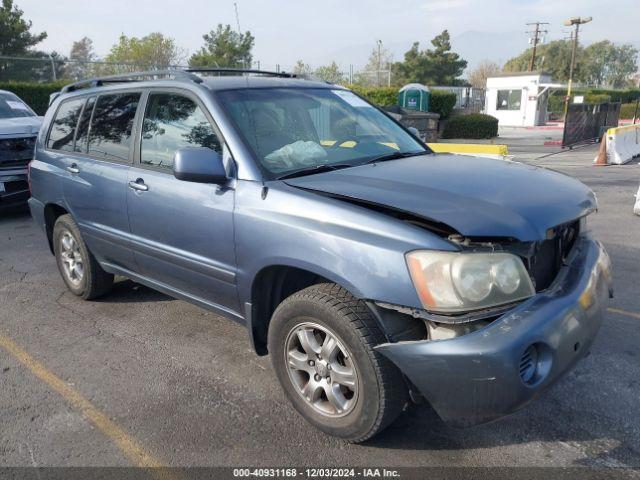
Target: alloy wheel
[321,369]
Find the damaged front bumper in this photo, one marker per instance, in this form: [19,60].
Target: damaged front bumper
[495,371]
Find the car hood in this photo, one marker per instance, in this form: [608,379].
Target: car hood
[478,197]
[20,126]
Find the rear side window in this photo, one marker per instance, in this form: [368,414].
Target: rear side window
[82,136]
[111,125]
[64,124]
[172,121]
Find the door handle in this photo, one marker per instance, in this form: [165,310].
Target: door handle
[73,168]
[139,185]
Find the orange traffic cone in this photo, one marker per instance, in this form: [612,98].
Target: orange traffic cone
[601,159]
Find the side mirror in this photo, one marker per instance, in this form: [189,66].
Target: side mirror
[199,164]
[414,131]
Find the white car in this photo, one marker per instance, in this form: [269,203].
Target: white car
[19,127]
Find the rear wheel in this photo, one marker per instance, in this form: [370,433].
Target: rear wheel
[79,269]
[321,343]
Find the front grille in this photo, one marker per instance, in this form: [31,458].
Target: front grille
[550,254]
[17,186]
[16,152]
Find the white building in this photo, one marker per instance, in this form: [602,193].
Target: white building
[519,99]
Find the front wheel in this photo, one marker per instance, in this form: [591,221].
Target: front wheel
[321,343]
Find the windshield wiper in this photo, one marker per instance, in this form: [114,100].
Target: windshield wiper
[394,156]
[325,167]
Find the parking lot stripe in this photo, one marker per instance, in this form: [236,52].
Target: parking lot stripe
[624,312]
[128,445]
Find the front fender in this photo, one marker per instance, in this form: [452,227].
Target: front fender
[353,246]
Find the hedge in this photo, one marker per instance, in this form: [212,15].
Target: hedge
[627,110]
[36,95]
[473,125]
[441,102]
[381,96]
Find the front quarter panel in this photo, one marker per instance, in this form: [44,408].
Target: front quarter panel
[357,248]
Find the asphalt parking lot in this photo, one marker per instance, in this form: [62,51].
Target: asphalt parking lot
[138,376]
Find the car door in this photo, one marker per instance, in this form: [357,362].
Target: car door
[182,232]
[97,162]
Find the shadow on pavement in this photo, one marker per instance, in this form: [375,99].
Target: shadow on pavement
[127,291]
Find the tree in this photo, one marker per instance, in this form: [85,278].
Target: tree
[81,56]
[15,32]
[553,58]
[329,73]
[152,52]
[437,66]
[622,64]
[446,65]
[485,69]
[376,70]
[16,39]
[224,47]
[302,69]
[596,57]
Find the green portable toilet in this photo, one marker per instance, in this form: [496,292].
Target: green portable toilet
[414,96]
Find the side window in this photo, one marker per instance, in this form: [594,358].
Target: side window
[509,99]
[172,121]
[110,130]
[64,124]
[82,136]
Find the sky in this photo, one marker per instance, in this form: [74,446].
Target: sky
[321,31]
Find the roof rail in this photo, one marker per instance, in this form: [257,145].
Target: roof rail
[131,77]
[186,74]
[220,70]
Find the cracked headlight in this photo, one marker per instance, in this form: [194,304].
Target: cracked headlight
[452,282]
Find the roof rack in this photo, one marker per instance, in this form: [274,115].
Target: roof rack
[131,77]
[220,70]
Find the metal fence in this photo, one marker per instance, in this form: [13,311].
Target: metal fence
[467,98]
[47,69]
[587,122]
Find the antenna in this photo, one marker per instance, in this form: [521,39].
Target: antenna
[235,5]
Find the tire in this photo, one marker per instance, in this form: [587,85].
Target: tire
[79,269]
[377,394]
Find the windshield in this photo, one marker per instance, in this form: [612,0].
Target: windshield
[292,129]
[12,107]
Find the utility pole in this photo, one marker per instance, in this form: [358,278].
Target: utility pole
[577,21]
[535,40]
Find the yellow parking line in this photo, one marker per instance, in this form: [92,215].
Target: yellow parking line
[129,446]
[624,312]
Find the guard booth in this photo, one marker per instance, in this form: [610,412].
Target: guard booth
[414,96]
[519,99]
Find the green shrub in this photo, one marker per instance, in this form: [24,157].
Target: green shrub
[36,95]
[380,96]
[627,110]
[597,98]
[474,125]
[442,102]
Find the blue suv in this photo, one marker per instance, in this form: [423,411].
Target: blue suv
[374,271]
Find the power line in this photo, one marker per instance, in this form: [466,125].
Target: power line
[535,40]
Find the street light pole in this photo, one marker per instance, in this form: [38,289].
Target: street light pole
[379,59]
[577,21]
